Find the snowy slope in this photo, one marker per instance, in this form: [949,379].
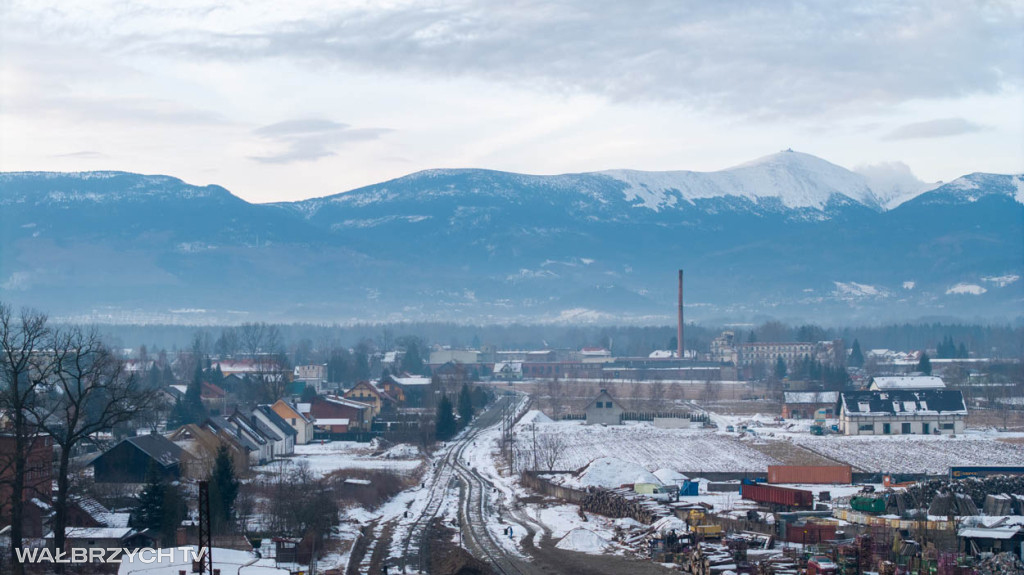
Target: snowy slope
[796,179]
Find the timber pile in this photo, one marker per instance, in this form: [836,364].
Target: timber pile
[945,504]
[920,495]
[1001,504]
[1001,564]
[623,503]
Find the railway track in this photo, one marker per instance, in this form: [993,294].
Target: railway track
[414,545]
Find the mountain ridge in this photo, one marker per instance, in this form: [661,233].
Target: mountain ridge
[485,245]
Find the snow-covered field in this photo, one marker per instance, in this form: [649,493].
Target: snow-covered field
[913,453]
[325,458]
[685,450]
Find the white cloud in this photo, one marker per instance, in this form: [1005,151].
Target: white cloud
[940,128]
[966,289]
[1002,281]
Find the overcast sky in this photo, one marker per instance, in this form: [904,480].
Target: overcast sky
[288,100]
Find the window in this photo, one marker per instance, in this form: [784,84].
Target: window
[906,428]
[866,427]
[948,426]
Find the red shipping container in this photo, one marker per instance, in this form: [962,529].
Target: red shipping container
[810,533]
[778,496]
[812,474]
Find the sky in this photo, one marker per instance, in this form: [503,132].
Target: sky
[280,101]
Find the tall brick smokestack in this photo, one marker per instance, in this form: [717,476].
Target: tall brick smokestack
[679,328]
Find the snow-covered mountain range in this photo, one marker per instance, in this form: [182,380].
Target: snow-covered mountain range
[787,235]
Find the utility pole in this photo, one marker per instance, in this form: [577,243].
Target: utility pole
[204,565]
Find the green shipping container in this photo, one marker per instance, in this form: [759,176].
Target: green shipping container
[868,504]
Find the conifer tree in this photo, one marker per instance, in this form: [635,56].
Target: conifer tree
[856,356]
[223,490]
[446,425]
[465,404]
[925,364]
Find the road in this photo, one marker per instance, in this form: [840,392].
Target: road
[484,509]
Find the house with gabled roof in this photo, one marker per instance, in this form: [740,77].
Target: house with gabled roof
[902,412]
[300,422]
[378,399]
[203,441]
[407,390]
[604,410]
[333,407]
[272,425]
[130,460]
[256,444]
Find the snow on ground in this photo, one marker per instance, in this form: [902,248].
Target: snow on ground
[913,453]
[324,458]
[610,472]
[684,450]
[584,541]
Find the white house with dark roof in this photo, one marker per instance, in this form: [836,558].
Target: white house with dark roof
[274,426]
[299,421]
[902,412]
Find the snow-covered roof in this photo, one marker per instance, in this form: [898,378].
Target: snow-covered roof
[334,421]
[810,396]
[903,402]
[228,561]
[346,402]
[982,533]
[907,382]
[411,380]
[662,354]
[95,532]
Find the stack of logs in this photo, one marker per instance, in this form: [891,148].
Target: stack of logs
[617,504]
[920,495]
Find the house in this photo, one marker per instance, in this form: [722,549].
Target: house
[38,472]
[130,460]
[604,410]
[408,390]
[905,382]
[269,422]
[313,374]
[804,404]
[101,538]
[441,356]
[902,412]
[376,398]
[302,425]
[333,407]
[508,371]
[213,397]
[259,448]
[202,442]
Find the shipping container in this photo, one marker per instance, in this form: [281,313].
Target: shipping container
[814,474]
[778,496]
[960,472]
[811,533]
[868,504]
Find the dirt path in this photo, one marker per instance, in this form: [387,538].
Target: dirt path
[791,454]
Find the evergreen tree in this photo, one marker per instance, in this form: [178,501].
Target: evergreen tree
[413,361]
[751,337]
[780,368]
[194,410]
[308,394]
[159,506]
[223,491]
[178,415]
[925,364]
[961,352]
[673,343]
[465,404]
[446,425]
[856,356]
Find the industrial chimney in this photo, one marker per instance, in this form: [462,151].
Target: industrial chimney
[679,328]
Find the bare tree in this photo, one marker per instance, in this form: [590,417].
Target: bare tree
[550,447]
[90,392]
[656,391]
[555,396]
[24,369]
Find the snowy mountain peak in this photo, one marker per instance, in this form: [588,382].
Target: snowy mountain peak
[795,179]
